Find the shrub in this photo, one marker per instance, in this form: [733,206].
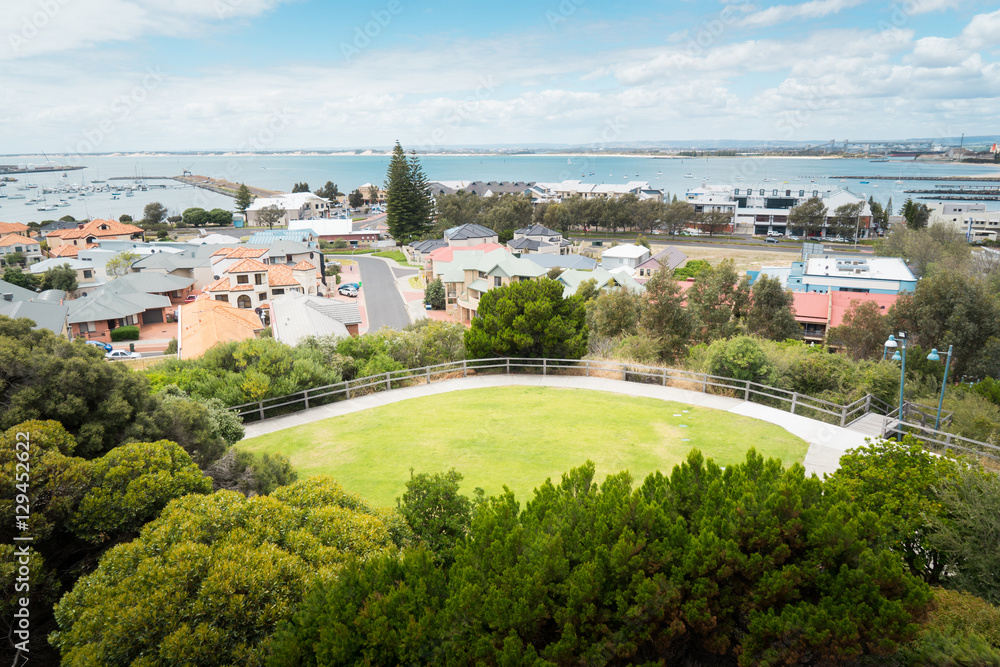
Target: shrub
[130,332]
[434,294]
[171,347]
[741,358]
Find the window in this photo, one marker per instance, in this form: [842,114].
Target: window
[87,273]
[242,279]
[277,291]
[222,297]
[802,193]
[262,296]
[258,278]
[243,302]
[497,281]
[288,259]
[84,327]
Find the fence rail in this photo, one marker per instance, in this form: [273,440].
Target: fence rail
[791,401]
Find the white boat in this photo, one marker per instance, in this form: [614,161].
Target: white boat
[48,207]
[16,196]
[692,176]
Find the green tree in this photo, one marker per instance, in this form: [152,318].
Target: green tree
[16,276]
[14,258]
[741,358]
[250,473]
[195,217]
[916,214]
[967,529]
[125,217]
[61,277]
[898,481]
[408,204]
[770,314]
[528,319]
[663,317]
[329,191]
[270,215]
[459,208]
[154,213]
[809,216]
[436,512]
[587,291]
[215,575]
[846,219]
[356,199]
[718,301]
[614,313]
[220,217]
[120,264]
[243,199]
[714,222]
[434,294]
[863,332]
[676,216]
[300,187]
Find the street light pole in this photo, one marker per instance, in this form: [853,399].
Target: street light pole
[933,356]
[900,355]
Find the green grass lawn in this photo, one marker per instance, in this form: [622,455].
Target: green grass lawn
[517,436]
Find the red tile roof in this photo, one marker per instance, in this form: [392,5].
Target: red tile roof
[206,322]
[280,275]
[243,253]
[14,239]
[99,228]
[221,285]
[247,265]
[64,250]
[14,228]
[303,266]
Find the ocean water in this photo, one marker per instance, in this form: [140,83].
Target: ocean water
[280,172]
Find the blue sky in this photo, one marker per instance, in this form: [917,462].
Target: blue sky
[131,75]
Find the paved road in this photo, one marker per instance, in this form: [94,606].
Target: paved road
[384,304]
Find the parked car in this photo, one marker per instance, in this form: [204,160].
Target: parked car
[771,239]
[116,355]
[348,290]
[354,285]
[775,234]
[190,297]
[794,238]
[101,344]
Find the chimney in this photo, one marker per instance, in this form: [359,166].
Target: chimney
[7,296]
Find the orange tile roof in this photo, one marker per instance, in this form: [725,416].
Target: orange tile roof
[243,287]
[13,239]
[247,265]
[243,253]
[303,266]
[221,285]
[280,275]
[222,251]
[64,250]
[100,227]
[206,322]
[14,228]
[58,233]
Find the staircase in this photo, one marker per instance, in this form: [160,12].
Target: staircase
[870,425]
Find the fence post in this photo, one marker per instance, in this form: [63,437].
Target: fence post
[795,398]
[664,377]
[465,368]
[868,403]
[746,394]
[588,367]
[388,382]
[305,395]
[428,369]
[545,363]
[347,390]
[843,416]
[704,383]
[260,407]
[508,365]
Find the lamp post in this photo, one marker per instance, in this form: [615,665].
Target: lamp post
[899,355]
[933,356]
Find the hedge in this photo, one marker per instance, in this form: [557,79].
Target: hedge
[130,332]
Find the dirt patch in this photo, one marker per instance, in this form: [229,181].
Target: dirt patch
[745,260]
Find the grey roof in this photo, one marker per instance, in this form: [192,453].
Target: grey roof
[547,261]
[172,261]
[151,282]
[17,293]
[537,230]
[525,244]
[424,247]
[274,235]
[57,225]
[52,262]
[498,187]
[295,316]
[109,306]
[670,258]
[51,296]
[45,315]
[469,231]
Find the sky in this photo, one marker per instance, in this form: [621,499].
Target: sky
[97,76]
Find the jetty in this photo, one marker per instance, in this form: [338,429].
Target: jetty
[967,179]
[14,169]
[222,186]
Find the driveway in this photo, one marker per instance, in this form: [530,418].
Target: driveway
[382,300]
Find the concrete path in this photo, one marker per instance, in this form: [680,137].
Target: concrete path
[827,443]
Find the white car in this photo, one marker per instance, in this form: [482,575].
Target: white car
[115,355]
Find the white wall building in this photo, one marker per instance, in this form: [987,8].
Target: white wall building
[556,192]
[297,206]
[628,255]
[969,218]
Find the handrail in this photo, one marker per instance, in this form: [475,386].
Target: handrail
[632,372]
[940,440]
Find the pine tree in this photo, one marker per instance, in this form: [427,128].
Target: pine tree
[243,198]
[408,204]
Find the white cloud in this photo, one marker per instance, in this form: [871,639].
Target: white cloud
[808,10]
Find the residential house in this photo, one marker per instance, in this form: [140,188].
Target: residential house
[295,316]
[548,261]
[15,228]
[557,192]
[472,273]
[297,206]
[207,322]
[87,234]
[629,255]
[818,312]
[846,273]
[669,258]
[539,239]
[29,249]
[88,276]
[572,279]
[95,315]
[48,309]
[481,188]
[338,229]
[468,235]
[250,283]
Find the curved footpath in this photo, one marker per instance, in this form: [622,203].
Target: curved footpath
[827,443]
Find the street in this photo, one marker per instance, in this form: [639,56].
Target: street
[382,300]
